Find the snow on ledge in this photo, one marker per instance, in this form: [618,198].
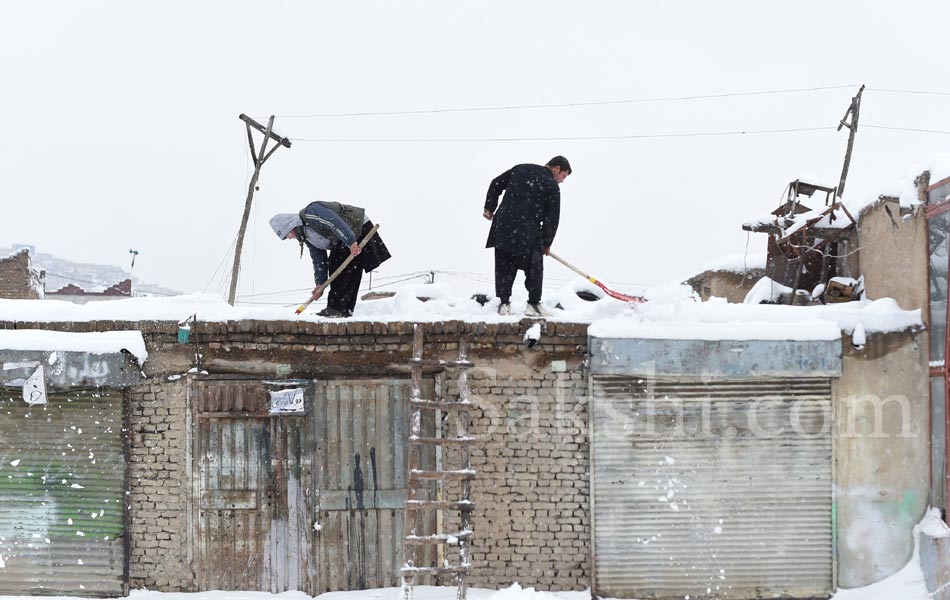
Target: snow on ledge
[748,330]
[719,320]
[106,342]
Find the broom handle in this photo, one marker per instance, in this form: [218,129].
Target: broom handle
[571,267]
[319,291]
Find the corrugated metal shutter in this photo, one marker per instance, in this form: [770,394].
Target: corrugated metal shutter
[712,489]
[62,482]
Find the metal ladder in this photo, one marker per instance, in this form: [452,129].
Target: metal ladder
[464,474]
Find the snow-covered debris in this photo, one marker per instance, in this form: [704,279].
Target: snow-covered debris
[105,342]
[766,290]
[533,334]
[859,337]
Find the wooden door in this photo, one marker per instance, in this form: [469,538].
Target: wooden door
[252,479]
[361,431]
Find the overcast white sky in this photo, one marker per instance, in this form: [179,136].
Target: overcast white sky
[120,125]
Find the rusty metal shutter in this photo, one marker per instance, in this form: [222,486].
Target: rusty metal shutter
[711,489]
[62,482]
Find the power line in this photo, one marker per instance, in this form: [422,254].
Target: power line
[568,138]
[905,129]
[566,104]
[918,92]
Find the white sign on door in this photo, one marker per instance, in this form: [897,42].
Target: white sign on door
[287,402]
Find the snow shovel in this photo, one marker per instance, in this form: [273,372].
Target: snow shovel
[319,291]
[595,281]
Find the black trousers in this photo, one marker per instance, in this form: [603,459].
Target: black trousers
[507,266]
[346,287]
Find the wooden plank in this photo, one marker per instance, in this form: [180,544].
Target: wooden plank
[228,500]
[443,405]
[400,431]
[332,457]
[385,443]
[226,459]
[387,550]
[452,475]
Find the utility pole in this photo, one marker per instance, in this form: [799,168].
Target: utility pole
[259,159]
[853,111]
[134,253]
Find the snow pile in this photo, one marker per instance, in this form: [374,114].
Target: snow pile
[718,320]
[908,583]
[106,342]
[737,263]
[902,186]
[420,303]
[933,526]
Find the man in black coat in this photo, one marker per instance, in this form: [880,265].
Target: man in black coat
[524,226]
[333,227]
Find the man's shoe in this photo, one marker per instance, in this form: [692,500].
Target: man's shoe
[536,310]
[333,313]
[504,310]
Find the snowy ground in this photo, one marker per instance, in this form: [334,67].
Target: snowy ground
[908,584]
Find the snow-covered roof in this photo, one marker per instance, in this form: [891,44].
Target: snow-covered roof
[902,186]
[672,312]
[443,304]
[106,342]
[737,263]
[719,320]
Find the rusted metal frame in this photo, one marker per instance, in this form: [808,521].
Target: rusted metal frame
[946,395]
[934,210]
[940,183]
[810,222]
[944,371]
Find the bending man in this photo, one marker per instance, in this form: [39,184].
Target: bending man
[331,226]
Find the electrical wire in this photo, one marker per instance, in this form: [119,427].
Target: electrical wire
[567,104]
[224,259]
[566,138]
[904,129]
[916,92]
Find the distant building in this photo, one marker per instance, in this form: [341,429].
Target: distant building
[18,279]
[73,293]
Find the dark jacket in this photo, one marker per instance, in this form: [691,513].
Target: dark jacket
[528,216]
[342,225]
[334,220]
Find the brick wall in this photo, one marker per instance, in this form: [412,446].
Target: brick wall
[18,280]
[159,488]
[531,522]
